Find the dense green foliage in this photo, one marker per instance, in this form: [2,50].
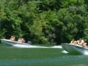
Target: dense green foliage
[48,21]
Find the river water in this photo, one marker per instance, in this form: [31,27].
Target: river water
[12,56]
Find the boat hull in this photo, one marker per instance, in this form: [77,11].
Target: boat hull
[7,42]
[20,45]
[74,49]
[11,43]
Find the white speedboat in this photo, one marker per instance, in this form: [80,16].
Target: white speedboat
[20,45]
[11,43]
[74,49]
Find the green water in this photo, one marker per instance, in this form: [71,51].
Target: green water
[11,56]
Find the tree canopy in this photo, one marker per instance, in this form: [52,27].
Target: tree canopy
[44,21]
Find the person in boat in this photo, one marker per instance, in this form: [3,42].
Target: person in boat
[73,41]
[84,44]
[12,38]
[21,40]
[81,42]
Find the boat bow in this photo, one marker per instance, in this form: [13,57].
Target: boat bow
[74,49]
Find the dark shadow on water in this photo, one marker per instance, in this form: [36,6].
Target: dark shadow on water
[65,53]
[73,54]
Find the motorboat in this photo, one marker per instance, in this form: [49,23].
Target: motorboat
[74,49]
[11,43]
[20,45]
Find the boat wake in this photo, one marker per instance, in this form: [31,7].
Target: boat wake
[28,46]
[35,46]
[65,52]
[59,46]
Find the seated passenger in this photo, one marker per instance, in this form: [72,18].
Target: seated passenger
[21,40]
[12,38]
[80,41]
[73,41]
[84,45]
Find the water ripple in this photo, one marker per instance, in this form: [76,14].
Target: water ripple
[49,60]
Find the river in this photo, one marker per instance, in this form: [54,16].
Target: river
[12,56]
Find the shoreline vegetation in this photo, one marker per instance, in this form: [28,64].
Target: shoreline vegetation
[44,21]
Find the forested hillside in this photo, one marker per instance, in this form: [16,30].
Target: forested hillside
[44,21]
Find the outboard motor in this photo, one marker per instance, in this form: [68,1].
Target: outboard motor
[29,42]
